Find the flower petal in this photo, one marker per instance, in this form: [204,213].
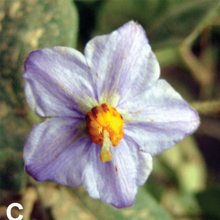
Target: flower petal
[121,63]
[117,182]
[57,150]
[158,118]
[57,82]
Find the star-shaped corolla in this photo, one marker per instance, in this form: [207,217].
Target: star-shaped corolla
[106,113]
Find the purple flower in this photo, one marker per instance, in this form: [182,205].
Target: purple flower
[76,143]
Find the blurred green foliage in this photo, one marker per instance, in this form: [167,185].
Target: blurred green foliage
[167,22]
[13,177]
[66,203]
[180,176]
[209,201]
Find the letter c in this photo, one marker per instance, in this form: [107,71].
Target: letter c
[19,206]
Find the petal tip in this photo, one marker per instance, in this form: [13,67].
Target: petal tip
[123,204]
[196,121]
[134,25]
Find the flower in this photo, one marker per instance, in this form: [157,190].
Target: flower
[106,114]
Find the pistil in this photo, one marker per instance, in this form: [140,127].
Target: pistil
[105,154]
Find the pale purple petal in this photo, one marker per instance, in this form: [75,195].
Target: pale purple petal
[57,150]
[122,62]
[117,182]
[56,82]
[158,118]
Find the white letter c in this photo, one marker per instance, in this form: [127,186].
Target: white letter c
[19,206]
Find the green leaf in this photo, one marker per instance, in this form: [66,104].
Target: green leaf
[166,22]
[26,26]
[209,201]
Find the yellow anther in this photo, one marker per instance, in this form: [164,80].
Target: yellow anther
[105,125]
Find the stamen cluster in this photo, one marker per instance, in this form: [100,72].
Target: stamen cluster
[104,118]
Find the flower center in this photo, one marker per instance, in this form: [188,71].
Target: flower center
[105,124]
